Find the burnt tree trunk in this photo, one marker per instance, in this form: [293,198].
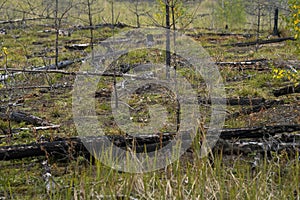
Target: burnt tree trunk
[168,27]
[91,29]
[258,25]
[57,26]
[275,29]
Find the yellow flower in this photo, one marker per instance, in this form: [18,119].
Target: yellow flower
[280,76]
[280,72]
[4,50]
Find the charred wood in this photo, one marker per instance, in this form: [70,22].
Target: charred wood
[245,44]
[234,101]
[287,90]
[259,139]
[19,116]
[256,108]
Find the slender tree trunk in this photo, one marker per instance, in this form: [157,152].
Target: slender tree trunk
[91,29]
[168,27]
[113,33]
[174,41]
[137,14]
[9,124]
[138,21]
[258,25]
[56,33]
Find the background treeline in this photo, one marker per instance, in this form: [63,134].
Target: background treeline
[213,14]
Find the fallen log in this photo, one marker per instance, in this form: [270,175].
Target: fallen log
[248,62]
[15,131]
[63,147]
[56,86]
[256,108]
[19,116]
[109,25]
[258,65]
[77,46]
[287,90]
[21,20]
[261,147]
[38,128]
[80,73]
[258,132]
[234,101]
[245,44]
[105,43]
[221,35]
[66,147]
[61,65]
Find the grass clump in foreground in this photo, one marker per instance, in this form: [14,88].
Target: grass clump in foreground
[223,177]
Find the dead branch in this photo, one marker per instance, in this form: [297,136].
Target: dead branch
[38,128]
[15,131]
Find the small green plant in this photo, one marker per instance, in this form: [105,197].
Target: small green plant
[56,112]
[4,50]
